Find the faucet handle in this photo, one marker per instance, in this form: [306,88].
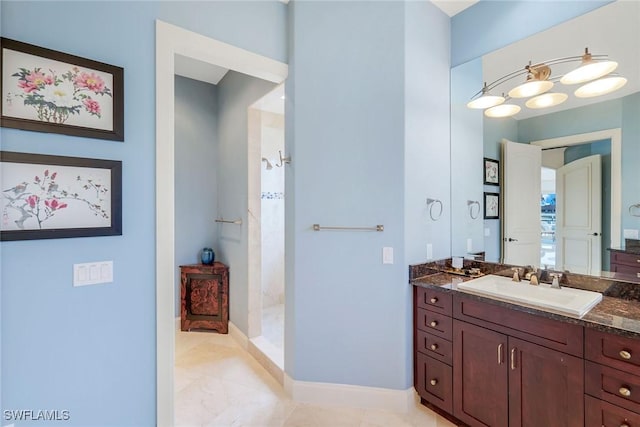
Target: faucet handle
[516,274]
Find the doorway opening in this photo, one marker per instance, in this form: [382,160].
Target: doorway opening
[266,230]
[548,218]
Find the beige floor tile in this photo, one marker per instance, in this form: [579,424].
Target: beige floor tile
[218,384]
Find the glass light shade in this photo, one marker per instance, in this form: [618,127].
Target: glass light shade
[600,87]
[504,110]
[547,100]
[485,101]
[530,88]
[589,71]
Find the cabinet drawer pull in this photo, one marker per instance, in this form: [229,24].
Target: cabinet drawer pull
[625,354]
[638,260]
[435,300]
[499,354]
[434,347]
[624,391]
[433,381]
[625,425]
[433,323]
[513,358]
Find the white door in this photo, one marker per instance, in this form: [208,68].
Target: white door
[521,201]
[578,216]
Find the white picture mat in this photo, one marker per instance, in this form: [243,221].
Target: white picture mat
[77,214]
[13,105]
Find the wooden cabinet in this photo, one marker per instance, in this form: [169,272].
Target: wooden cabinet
[480,379]
[625,263]
[501,381]
[433,347]
[204,294]
[612,379]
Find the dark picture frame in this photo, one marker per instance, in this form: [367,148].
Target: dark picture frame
[491,171]
[44,90]
[491,205]
[55,197]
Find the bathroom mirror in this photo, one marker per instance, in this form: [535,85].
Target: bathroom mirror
[612,30]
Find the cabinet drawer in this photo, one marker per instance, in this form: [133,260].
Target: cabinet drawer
[617,387]
[631,270]
[434,323]
[613,350]
[599,413]
[625,258]
[565,337]
[434,300]
[434,346]
[434,382]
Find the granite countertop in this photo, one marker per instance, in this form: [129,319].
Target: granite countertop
[618,312]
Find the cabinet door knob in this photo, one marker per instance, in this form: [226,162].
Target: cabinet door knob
[433,381]
[433,323]
[435,300]
[434,347]
[625,354]
[624,391]
[625,425]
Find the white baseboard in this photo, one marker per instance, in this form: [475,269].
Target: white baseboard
[239,336]
[350,395]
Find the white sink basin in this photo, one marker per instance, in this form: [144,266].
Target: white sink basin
[576,302]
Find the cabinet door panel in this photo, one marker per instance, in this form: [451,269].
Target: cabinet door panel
[546,387]
[480,376]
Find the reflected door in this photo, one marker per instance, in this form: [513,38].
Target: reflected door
[521,201]
[579,216]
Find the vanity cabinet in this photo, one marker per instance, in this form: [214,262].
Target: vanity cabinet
[204,297]
[612,380]
[433,328]
[625,262]
[501,379]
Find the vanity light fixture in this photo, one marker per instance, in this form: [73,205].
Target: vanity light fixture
[593,69]
[547,100]
[600,87]
[504,110]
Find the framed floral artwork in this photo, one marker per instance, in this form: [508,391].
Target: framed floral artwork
[48,91]
[491,205]
[53,197]
[491,172]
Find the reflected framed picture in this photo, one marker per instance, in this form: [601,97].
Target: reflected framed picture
[491,205]
[53,197]
[45,90]
[491,171]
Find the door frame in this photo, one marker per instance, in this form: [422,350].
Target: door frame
[172,40]
[615,135]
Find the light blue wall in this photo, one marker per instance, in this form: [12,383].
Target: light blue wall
[346,121]
[196,186]
[91,350]
[466,160]
[235,93]
[489,24]
[426,144]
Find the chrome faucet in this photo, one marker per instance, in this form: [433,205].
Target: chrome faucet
[516,274]
[555,284]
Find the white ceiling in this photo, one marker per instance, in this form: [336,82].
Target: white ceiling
[453,7]
[613,30]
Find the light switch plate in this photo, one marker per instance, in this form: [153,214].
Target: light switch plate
[630,233]
[387,255]
[92,273]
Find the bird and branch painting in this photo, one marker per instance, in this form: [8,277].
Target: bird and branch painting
[56,197]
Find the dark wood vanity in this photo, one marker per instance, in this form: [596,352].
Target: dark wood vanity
[483,362]
[625,262]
